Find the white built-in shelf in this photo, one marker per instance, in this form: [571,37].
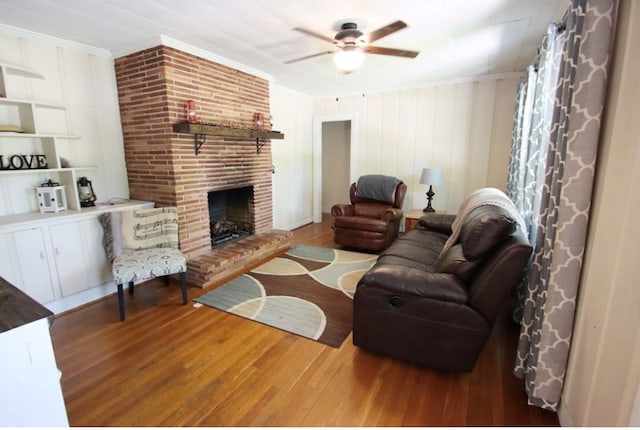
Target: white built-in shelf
[35,103]
[13,135]
[13,69]
[32,171]
[34,119]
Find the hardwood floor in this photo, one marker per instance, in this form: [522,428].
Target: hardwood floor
[175,365]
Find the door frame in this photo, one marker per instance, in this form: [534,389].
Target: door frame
[318,121]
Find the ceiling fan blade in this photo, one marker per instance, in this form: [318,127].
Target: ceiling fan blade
[316,35]
[308,56]
[390,51]
[385,31]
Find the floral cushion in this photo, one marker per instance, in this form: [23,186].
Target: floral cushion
[134,266]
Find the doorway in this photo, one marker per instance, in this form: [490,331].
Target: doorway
[334,145]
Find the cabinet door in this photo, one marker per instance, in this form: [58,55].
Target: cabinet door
[80,259]
[92,233]
[24,263]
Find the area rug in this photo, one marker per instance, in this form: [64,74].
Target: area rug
[308,291]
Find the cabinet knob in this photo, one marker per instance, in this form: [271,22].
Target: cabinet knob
[42,256]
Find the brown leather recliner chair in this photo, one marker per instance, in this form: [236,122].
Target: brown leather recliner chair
[436,307]
[372,221]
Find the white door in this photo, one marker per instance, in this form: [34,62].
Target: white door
[80,259]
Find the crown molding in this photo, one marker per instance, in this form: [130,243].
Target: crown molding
[52,40]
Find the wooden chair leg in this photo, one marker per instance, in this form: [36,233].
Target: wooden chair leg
[121,301]
[183,287]
[131,287]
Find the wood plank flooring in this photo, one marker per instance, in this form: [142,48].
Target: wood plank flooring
[175,365]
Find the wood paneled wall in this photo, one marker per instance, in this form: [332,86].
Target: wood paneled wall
[463,129]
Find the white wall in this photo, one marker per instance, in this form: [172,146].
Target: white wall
[462,128]
[82,79]
[602,387]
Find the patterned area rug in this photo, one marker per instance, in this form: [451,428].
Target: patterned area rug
[308,291]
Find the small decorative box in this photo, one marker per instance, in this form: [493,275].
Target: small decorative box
[51,198]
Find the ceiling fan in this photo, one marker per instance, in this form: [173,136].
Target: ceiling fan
[352,44]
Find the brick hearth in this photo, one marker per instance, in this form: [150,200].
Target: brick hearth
[233,258]
[153,88]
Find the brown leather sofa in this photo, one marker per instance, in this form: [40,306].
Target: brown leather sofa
[438,311]
[371,222]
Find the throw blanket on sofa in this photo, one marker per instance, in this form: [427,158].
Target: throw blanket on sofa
[481,197]
[377,187]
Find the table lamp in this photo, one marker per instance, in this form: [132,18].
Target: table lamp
[430,177]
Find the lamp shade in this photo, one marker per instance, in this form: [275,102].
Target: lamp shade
[348,60]
[431,177]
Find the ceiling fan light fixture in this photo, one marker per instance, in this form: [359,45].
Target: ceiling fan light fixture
[348,60]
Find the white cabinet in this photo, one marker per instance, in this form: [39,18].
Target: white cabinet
[31,395]
[28,129]
[24,261]
[55,261]
[80,259]
[59,259]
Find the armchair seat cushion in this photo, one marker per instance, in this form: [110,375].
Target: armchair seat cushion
[362,223]
[146,264]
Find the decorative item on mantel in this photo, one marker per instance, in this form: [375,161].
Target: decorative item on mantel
[430,177]
[190,110]
[258,121]
[51,197]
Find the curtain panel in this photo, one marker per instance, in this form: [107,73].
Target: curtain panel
[557,151]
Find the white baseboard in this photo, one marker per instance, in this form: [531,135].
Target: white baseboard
[563,416]
[82,298]
[297,224]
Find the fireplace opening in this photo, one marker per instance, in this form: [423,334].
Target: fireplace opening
[230,214]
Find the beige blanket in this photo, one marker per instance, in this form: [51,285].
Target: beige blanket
[481,197]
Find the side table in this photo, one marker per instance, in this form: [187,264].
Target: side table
[412,217]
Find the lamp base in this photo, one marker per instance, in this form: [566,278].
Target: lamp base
[430,195]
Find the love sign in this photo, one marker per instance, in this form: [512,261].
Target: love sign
[23,162]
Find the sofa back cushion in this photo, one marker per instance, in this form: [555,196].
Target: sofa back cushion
[483,230]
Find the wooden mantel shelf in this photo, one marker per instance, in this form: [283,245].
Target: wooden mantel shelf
[200,132]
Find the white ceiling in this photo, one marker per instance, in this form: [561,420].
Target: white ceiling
[457,39]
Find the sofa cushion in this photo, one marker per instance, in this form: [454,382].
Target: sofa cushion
[485,228]
[454,261]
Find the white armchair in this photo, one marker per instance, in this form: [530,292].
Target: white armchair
[142,244]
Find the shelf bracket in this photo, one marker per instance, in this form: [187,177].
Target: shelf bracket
[259,144]
[198,140]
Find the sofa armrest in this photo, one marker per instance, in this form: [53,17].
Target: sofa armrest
[342,210]
[440,223]
[392,215]
[398,279]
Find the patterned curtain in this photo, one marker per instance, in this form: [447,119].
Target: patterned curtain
[534,118]
[554,192]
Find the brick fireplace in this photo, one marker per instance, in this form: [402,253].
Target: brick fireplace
[162,166]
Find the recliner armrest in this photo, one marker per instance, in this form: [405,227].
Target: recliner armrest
[392,214]
[342,210]
[409,281]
